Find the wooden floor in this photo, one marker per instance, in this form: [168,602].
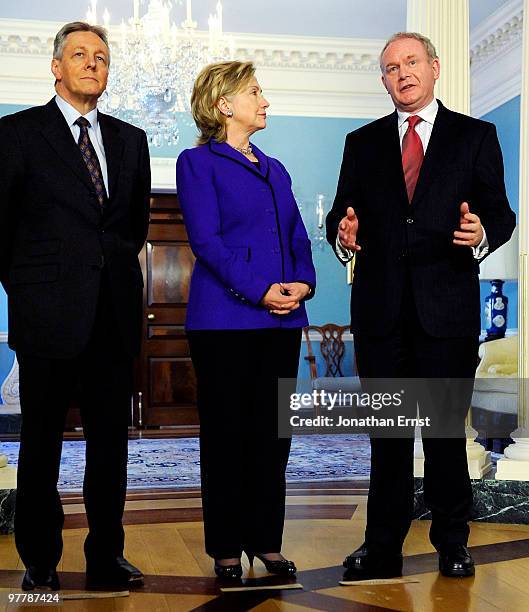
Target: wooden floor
[324,523]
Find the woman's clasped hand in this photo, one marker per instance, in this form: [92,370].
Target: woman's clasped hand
[282,298]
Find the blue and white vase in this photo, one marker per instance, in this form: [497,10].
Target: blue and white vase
[496,311]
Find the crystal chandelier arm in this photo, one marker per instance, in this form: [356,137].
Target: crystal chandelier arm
[189,23]
[198,199]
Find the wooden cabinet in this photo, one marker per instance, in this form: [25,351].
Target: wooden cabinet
[164,378]
[165,384]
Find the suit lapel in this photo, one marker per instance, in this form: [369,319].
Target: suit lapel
[439,141]
[59,136]
[113,144]
[224,150]
[392,151]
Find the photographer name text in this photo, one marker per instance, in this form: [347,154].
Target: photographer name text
[370,421]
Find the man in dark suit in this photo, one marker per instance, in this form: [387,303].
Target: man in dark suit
[74,197]
[420,200]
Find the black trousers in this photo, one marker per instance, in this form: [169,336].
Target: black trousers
[100,378]
[410,353]
[242,459]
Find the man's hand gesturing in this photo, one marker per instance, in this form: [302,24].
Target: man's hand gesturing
[348,229]
[470,231]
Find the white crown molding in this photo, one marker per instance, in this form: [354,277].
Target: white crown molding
[302,75]
[484,34]
[496,58]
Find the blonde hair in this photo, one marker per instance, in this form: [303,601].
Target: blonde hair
[223,79]
[426,42]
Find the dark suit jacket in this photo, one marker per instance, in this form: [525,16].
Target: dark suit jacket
[402,241]
[55,240]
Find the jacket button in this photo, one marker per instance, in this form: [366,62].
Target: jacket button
[409,220]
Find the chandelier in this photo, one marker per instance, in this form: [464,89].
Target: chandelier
[154,65]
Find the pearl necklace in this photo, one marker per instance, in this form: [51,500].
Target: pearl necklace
[247,151]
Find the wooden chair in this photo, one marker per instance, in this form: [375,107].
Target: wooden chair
[332,347]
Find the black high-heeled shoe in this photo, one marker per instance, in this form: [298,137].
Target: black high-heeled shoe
[281,567]
[228,572]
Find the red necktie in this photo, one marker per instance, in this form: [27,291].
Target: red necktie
[412,155]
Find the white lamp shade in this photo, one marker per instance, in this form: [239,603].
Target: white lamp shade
[503,263]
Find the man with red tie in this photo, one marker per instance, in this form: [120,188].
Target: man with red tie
[420,201]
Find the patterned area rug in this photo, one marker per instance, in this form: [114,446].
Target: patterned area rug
[174,463]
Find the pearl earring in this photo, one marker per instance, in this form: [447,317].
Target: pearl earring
[229,113]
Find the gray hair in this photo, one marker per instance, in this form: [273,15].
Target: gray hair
[77,26]
[426,42]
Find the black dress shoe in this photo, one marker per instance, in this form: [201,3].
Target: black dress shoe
[228,572]
[356,558]
[365,565]
[117,572]
[455,561]
[41,579]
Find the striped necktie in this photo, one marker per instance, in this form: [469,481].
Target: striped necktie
[90,158]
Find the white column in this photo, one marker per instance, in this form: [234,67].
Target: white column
[515,465]
[446,24]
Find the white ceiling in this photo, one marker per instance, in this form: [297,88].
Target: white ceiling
[349,18]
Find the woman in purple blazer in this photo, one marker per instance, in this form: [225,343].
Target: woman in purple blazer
[252,274]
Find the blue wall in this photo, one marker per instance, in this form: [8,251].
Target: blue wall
[7,109]
[311,149]
[3,310]
[506,118]
[6,354]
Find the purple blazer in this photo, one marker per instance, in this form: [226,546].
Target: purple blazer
[246,232]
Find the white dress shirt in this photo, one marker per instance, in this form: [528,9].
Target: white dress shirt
[424,131]
[94,132]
